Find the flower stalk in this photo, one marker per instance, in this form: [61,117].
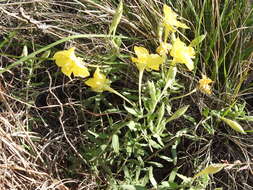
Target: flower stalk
[140,84]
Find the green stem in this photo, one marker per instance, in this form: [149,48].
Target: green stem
[166,35]
[174,98]
[118,94]
[23,59]
[140,82]
[170,80]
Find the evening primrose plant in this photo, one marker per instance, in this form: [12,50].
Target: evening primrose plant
[128,148]
[128,145]
[152,104]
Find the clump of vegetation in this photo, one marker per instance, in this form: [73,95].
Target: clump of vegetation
[155,96]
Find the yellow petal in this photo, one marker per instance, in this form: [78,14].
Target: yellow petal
[98,83]
[205,89]
[98,75]
[66,70]
[189,64]
[61,57]
[94,84]
[142,55]
[71,51]
[204,85]
[79,70]
[182,53]
[168,12]
[140,51]
[134,59]
[205,80]
[170,21]
[163,48]
[154,61]
[140,63]
[191,52]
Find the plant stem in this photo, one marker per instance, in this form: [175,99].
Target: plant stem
[140,82]
[118,94]
[174,98]
[32,55]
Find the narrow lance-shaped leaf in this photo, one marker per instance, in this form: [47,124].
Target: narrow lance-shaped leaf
[197,40]
[153,95]
[174,150]
[212,169]
[151,177]
[171,77]
[46,54]
[152,91]
[234,125]
[115,143]
[116,18]
[178,113]
[133,187]
[160,114]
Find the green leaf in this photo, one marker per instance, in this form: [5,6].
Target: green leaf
[126,172]
[165,185]
[171,77]
[115,143]
[7,39]
[93,133]
[208,128]
[154,144]
[157,164]
[173,175]
[184,178]
[247,118]
[116,18]
[166,158]
[131,111]
[234,125]
[174,150]
[46,54]
[178,113]
[212,169]
[131,125]
[132,187]
[151,177]
[159,139]
[160,114]
[197,40]
[152,91]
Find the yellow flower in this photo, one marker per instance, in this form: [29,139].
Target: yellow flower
[163,48]
[69,63]
[170,21]
[145,60]
[99,82]
[182,53]
[204,85]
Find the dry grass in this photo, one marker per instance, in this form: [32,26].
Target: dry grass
[34,143]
